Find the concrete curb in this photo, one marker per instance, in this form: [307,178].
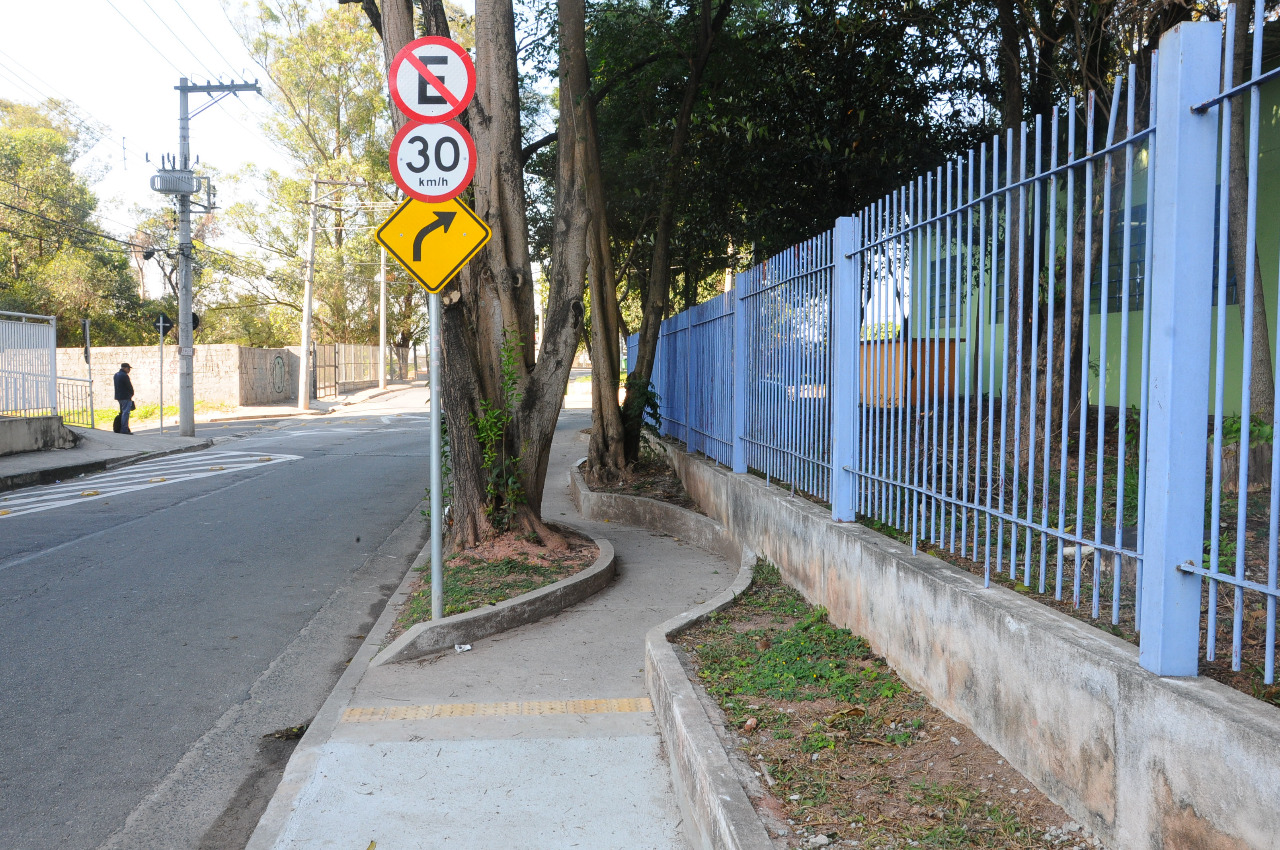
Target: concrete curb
[61,473]
[471,626]
[294,412]
[249,416]
[711,796]
[301,765]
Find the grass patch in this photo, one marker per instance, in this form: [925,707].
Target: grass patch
[843,747]
[149,412]
[501,569]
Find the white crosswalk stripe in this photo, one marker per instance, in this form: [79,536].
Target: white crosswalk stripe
[142,476]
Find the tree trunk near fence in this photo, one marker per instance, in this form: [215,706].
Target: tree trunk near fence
[1064,401]
[606,456]
[1262,379]
[657,294]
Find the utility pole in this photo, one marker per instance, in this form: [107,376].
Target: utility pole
[304,376]
[181,181]
[382,320]
[304,370]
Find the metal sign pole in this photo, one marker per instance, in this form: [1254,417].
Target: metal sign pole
[437,567]
[162,381]
[88,362]
[382,321]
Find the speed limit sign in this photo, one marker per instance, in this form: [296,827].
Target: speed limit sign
[433,162]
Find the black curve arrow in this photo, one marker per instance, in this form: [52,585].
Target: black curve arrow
[443,219]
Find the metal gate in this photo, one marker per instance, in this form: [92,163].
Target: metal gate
[28,364]
[325,374]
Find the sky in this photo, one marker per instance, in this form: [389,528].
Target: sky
[118,62]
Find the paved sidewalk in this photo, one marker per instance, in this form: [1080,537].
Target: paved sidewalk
[541,737]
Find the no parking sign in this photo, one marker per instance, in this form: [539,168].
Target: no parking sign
[432,79]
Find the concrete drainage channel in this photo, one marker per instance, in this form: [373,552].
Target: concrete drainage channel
[710,794]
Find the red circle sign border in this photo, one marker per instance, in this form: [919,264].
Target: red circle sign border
[414,193]
[403,56]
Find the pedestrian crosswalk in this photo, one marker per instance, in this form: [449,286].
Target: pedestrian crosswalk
[156,473]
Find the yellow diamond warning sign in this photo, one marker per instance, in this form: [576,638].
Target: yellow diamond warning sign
[433,241]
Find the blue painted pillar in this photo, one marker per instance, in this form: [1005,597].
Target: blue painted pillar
[740,358]
[1182,172]
[845,339]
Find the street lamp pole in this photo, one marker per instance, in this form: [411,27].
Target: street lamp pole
[304,371]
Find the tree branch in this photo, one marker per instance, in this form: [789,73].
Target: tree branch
[527,152]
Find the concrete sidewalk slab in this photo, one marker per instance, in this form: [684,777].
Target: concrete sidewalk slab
[319,407]
[540,737]
[96,451]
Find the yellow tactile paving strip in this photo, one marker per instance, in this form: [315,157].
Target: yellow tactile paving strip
[496,709]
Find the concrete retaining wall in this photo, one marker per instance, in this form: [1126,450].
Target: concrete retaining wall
[223,374]
[1144,762]
[34,434]
[268,376]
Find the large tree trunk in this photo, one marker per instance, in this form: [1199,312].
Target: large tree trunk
[658,293]
[606,456]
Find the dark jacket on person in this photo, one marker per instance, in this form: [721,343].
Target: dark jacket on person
[124,386]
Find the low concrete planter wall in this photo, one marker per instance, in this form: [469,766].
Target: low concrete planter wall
[471,626]
[657,516]
[1144,762]
[711,796]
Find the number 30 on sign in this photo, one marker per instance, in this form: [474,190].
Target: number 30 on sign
[433,162]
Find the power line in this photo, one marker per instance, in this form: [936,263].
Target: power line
[95,234]
[96,134]
[60,95]
[82,210]
[157,50]
[81,246]
[203,35]
[177,38]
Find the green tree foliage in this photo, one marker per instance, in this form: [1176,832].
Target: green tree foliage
[329,114]
[54,258]
[809,111]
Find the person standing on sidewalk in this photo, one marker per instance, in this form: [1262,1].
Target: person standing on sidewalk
[124,395]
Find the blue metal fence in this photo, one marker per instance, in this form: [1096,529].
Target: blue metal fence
[1012,359]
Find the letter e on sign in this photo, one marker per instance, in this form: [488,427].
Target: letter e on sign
[432,79]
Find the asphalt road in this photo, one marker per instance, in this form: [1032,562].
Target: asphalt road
[156,621]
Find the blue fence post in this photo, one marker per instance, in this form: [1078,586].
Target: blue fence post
[844,335]
[1185,157]
[739,397]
